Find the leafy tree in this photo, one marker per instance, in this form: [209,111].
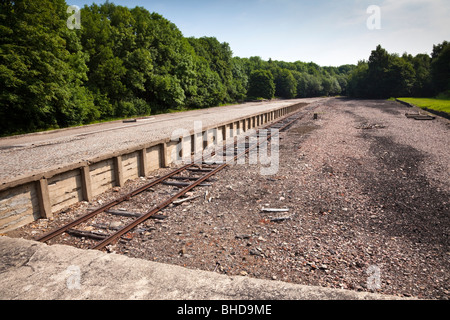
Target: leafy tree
[101,39]
[256,63]
[309,85]
[440,67]
[343,83]
[358,83]
[42,68]
[261,84]
[302,84]
[136,57]
[126,62]
[422,86]
[388,75]
[379,68]
[219,57]
[401,77]
[327,86]
[335,88]
[314,86]
[210,90]
[286,85]
[240,80]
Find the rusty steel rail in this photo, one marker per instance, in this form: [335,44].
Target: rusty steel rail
[108,206]
[155,210]
[169,201]
[291,119]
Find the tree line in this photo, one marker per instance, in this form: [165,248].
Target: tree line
[130,62]
[387,75]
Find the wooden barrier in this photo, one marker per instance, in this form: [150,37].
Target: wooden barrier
[43,195]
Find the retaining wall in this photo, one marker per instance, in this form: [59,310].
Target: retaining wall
[41,196]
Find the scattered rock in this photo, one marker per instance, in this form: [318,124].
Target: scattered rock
[354,208]
[115,225]
[243,236]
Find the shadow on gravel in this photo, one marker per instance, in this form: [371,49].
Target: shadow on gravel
[389,107]
[412,207]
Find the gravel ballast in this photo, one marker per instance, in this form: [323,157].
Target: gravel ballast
[366,192]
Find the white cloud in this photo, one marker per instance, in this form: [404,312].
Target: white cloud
[428,15]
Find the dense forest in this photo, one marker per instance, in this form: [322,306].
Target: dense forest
[387,75]
[126,62]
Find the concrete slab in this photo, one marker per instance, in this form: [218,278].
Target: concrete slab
[34,271]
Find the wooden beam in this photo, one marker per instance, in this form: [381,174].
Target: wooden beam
[232,130]
[134,215]
[143,164]
[118,171]
[87,234]
[225,133]
[86,183]
[44,199]
[184,184]
[164,156]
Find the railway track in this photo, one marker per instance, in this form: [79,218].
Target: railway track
[185,178]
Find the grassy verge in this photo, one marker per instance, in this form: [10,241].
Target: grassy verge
[437,104]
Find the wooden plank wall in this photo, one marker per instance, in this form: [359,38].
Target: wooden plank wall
[18,206]
[29,199]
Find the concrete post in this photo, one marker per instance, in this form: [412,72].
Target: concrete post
[143,165]
[87,184]
[164,157]
[118,171]
[44,199]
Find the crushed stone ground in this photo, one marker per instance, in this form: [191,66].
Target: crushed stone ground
[368,196]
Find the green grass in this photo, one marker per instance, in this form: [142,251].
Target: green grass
[441,103]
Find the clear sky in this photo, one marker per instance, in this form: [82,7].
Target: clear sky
[327,32]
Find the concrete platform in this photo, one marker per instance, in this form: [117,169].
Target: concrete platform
[43,174]
[34,271]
